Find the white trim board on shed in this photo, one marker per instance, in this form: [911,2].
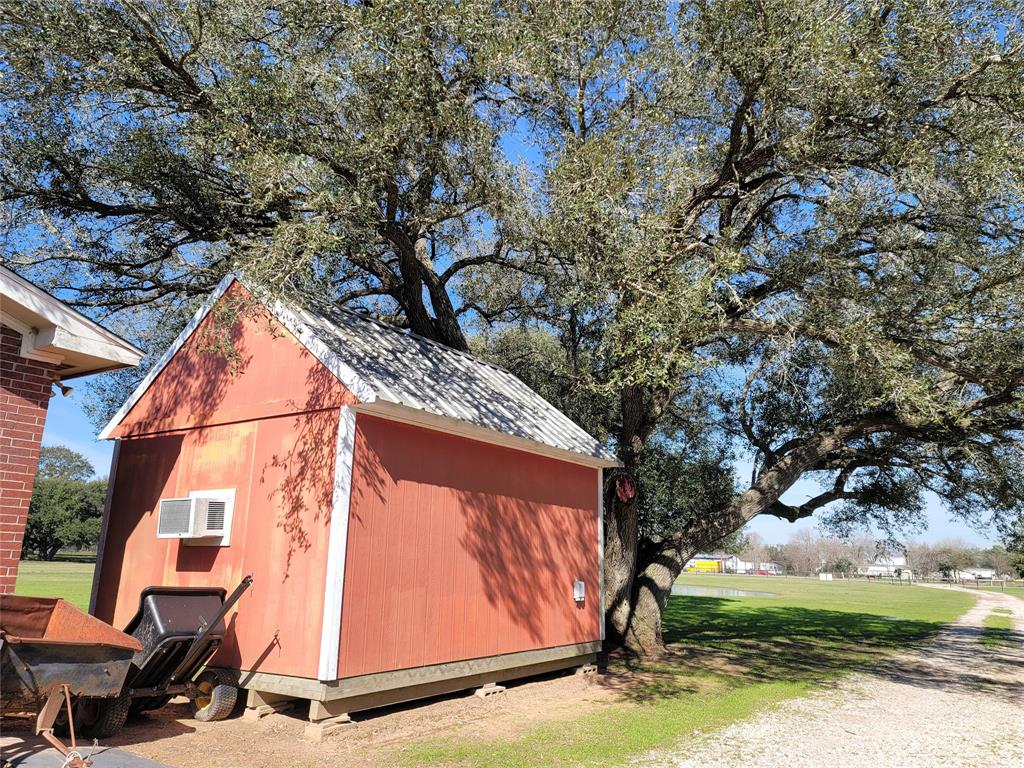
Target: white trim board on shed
[337,545]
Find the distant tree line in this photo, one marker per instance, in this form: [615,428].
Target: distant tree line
[947,557]
[808,553]
[67,504]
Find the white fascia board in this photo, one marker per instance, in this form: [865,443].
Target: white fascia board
[59,340]
[28,340]
[20,291]
[337,547]
[81,353]
[168,354]
[428,420]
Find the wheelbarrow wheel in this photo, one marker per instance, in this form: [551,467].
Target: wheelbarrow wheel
[95,718]
[218,694]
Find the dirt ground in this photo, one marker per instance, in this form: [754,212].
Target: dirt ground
[952,702]
[171,736]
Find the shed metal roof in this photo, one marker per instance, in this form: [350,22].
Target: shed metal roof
[403,368]
[424,381]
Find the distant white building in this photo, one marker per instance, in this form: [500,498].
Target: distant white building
[886,566]
[733,564]
[974,574]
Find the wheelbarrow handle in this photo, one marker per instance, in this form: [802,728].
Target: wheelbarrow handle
[189,662]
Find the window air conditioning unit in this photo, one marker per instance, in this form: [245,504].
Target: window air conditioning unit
[202,515]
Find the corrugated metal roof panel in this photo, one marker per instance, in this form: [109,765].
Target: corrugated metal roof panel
[409,370]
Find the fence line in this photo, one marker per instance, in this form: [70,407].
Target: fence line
[1001,584]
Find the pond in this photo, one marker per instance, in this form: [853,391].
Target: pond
[693,591]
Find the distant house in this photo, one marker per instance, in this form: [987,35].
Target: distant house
[734,565]
[886,566]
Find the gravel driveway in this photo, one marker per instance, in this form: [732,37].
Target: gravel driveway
[952,702]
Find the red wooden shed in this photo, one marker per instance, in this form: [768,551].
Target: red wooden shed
[417,520]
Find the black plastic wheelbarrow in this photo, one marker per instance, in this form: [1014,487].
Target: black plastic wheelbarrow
[176,631]
[51,651]
[180,628]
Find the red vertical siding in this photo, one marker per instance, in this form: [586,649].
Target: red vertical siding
[266,425]
[458,549]
[25,387]
[281,470]
[267,373]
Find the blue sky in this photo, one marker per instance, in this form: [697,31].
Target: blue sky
[66,424]
[940,526]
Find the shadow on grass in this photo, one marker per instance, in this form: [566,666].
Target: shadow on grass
[716,641]
[772,642]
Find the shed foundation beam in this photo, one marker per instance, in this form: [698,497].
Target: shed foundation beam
[259,704]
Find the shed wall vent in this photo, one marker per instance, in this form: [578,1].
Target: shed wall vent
[204,518]
[175,518]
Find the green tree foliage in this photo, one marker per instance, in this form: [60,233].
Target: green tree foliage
[1015,549]
[66,507]
[331,147]
[812,209]
[789,232]
[58,462]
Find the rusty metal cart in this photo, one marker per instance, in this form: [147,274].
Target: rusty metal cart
[51,651]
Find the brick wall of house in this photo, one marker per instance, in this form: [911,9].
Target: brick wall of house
[24,395]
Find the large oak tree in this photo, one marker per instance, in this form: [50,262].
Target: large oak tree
[788,230]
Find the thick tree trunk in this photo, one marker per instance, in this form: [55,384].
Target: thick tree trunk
[640,412]
[658,564]
[619,561]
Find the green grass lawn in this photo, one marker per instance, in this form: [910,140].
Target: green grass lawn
[998,626]
[731,657]
[72,581]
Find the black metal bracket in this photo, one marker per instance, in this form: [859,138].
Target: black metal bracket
[192,658]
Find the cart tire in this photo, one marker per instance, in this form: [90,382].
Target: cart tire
[110,717]
[95,717]
[218,694]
